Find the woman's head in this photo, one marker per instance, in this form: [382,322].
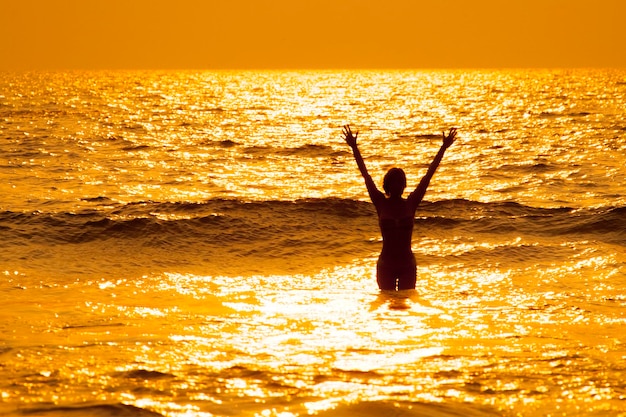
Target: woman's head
[394,182]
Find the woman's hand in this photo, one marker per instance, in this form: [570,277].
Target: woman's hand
[349,137]
[449,139]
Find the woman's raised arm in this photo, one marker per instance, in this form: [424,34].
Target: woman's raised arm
[416,196]
[350,138]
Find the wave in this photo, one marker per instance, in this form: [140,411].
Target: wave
[224,221]
[426,136]
[144,374]
[309,150]
[242,238]
[410,409]
[133,148]
[529,168]
[99,410]
[555,114]
[603,224]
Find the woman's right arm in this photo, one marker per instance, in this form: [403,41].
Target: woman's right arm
[350,138]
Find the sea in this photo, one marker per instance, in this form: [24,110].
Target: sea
[201,243]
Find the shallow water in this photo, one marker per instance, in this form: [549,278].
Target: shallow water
[201,244]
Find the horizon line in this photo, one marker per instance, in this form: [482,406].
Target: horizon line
[321,69]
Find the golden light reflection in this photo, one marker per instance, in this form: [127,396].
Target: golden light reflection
[169,408]
[274,314]
[511,319]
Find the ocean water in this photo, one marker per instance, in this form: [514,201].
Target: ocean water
[201,244]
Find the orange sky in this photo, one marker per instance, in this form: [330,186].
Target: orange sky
[259,34]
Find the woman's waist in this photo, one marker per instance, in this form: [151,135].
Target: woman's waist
[397,252]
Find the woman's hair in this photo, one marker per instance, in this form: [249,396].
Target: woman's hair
[394,182]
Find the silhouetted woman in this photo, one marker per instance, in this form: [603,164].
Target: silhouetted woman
[396,268]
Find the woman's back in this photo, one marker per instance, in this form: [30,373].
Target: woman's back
[396,219]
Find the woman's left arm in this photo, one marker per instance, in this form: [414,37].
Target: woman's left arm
[418,194]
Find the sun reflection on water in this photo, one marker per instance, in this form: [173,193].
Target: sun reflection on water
[496,320]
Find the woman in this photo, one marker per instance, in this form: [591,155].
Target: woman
[396,268]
